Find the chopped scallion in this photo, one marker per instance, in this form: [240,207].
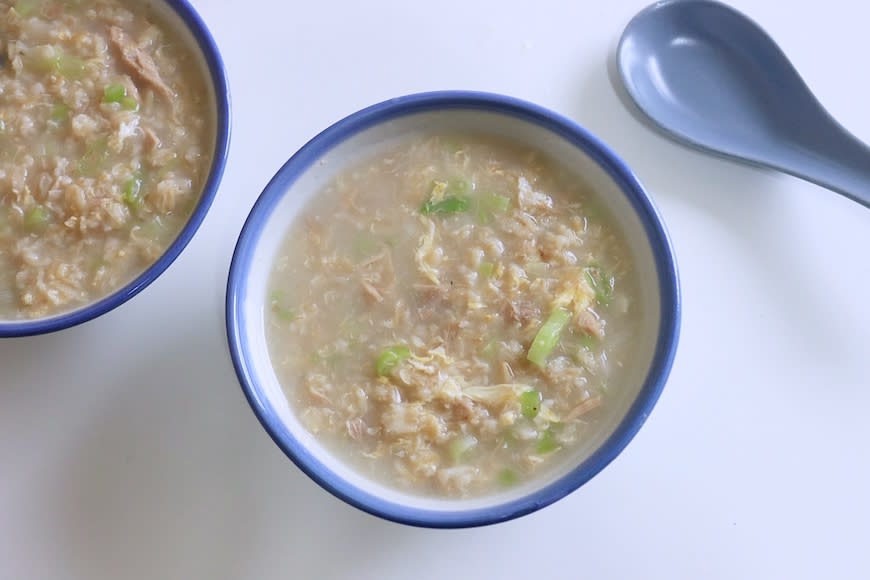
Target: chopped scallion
[530,403]
[390,357]
[131,193]
[129,104]
[507,477]
[546,443]
[59,112]
[117,93]
[587,341]
[284,313]
[114,93]
[489,204]
[70,67]
[277,301]
[35,218]
[26,8]
[601,282]
[496,203]
[449,205]
[548,336]
[486,269]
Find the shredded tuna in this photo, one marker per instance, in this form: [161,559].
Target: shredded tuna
[583,408]
[371,292]
[356,428]
[139,62]
[522,312]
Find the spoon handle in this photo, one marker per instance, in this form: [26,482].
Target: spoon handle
[830,156]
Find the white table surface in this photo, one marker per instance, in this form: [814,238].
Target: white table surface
[128,451]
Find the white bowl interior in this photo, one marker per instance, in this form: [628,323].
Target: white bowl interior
[366,143]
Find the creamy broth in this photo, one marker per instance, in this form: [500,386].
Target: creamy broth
[105,142]
[452,316]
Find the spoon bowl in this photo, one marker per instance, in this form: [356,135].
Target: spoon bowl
[710,77]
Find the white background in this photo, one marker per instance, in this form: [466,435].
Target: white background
[127,449]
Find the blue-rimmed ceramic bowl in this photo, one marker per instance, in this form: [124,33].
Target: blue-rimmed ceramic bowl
[357,137]
[183,19]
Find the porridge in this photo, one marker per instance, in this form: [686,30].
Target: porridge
[105,143]
[450,318]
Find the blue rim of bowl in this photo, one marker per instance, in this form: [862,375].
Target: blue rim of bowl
[310,153]
[207,45]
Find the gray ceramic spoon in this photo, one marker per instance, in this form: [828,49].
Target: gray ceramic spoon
[710,77]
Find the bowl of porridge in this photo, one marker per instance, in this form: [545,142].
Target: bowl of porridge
[114,129]
[451,309]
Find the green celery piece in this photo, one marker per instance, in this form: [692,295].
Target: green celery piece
[129,104]
[601,282]
[59,112]
[117,93]
[131,192]
[530,403]
[284,313]
[26,8]
[496,203]
[449,205]
[114,93]
[548,336]
[71,67]
[35,218]
[508,439]
[546,443]
[491,203]
[486,269]
[587,341]
[389,358]
[507,477]
[55,61]
[276,299]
